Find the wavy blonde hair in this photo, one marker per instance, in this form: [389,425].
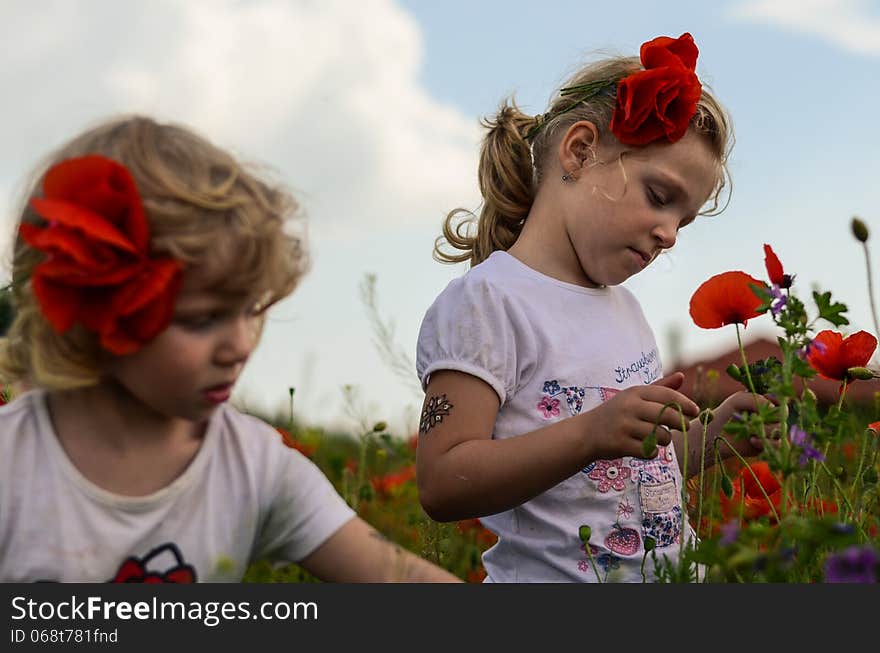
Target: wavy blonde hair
[204,208]
[511,166]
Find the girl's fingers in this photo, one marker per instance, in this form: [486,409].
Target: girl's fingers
[662,396]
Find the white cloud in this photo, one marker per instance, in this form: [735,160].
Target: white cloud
[326,92]
[845,23]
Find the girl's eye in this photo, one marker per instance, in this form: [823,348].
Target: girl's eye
[197,322]
[656,198]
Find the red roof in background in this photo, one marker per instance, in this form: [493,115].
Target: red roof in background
[707,382]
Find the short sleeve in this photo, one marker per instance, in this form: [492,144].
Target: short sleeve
[304,509]
[474,327]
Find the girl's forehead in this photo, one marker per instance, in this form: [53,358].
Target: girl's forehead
[199,287]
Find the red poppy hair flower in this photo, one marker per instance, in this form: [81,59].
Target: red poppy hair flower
[659,101]
[837,354]
[748,495]
[97,270]
[726,298]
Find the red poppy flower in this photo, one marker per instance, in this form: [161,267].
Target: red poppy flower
[875,427]
[305,449]
[97,270]
[726,298]
[835,354]
[659,101]
[387,484]
[774,267]
[747,495]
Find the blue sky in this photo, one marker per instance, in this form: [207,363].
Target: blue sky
[369,112]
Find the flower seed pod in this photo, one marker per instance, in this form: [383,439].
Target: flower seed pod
[859,373]
[584,533]
[860,230]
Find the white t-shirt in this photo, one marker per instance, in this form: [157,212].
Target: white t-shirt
[551,350]
[244,496]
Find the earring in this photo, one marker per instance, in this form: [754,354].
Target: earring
[567,177]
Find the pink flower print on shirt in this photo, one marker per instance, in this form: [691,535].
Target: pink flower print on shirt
[549,406]
[610,474]
[606,393]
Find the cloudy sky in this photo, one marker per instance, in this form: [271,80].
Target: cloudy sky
[369,111]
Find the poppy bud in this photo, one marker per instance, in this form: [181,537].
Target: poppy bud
[726,485]
[734,372]
[809,394]
[378,427]
[860,230]
[860,373]
[650,543]
[706,416]
[584,533]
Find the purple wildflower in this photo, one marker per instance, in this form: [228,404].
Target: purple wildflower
[779,300]
[804,351]
[852,565]
[800,438]
[729,532]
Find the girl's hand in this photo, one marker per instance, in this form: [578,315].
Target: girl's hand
[739,402]
[619,425]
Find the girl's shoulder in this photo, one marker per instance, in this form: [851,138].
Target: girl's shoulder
[252,437]
[22,410]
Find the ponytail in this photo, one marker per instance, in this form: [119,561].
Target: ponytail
[507,184]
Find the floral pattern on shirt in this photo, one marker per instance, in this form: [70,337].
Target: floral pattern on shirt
[610,475]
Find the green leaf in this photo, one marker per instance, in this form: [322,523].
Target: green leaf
[828,310]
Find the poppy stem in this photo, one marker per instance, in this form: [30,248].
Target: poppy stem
[742,353]
[762,434]
[844,497]
[871,289]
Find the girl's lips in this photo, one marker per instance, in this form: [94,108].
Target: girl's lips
[218,394]
[641,261]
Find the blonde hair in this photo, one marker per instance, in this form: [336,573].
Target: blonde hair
[511,167]
[204,208]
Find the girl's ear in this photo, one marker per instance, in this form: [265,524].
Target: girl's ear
[577,147]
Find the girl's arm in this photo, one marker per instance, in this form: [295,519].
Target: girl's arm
[358,553]
[462,472]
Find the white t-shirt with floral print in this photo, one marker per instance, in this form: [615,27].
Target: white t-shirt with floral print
[551,350]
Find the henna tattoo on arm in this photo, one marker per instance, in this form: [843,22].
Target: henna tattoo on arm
[436,408]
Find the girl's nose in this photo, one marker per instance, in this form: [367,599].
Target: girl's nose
[666,235]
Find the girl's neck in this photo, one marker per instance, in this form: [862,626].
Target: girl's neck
[119,444]
[544,246]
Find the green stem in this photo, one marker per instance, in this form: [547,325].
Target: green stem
[764,441]
[593,562]
[858,480]
[871,289]
[843,496]
[703,431]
